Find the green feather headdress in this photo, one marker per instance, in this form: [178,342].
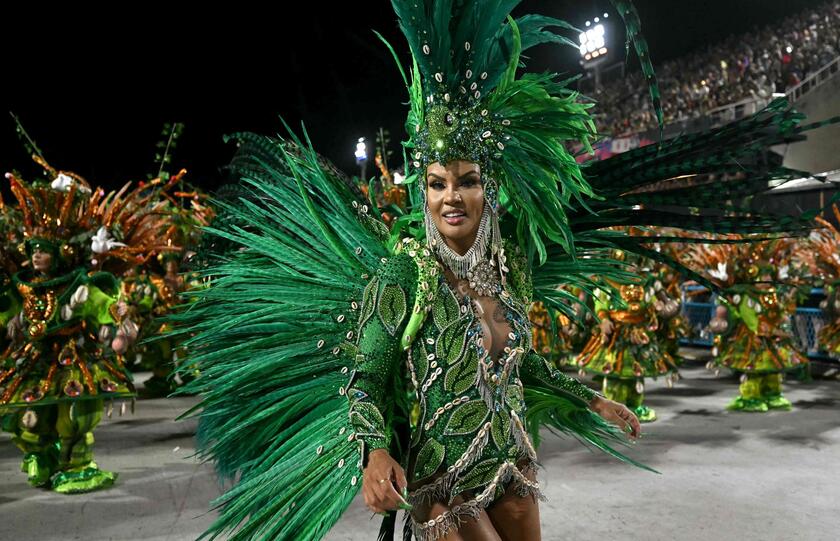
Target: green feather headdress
[466,102]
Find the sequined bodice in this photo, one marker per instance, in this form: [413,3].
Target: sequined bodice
[467,359]
[493,317]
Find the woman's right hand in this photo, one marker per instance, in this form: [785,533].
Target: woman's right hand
[382,483]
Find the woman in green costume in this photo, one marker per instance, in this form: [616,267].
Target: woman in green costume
[338,356]
[469,363]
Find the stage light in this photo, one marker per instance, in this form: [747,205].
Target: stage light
[361,150]
[593,40]
[593,48]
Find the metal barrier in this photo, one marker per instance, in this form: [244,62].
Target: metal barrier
[807,323]
[698,313]
[814,80]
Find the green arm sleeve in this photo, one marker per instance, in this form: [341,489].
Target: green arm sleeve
[535,367]
[384,312]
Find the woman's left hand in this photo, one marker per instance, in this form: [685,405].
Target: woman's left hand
[617,414]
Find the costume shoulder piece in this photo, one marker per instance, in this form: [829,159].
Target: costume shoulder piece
[428,270]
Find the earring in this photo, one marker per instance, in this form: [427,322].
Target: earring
[497,251]
[431,240]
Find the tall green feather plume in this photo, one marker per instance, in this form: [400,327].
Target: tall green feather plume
[700,182]
[466,102]
[703,183]
[633,27]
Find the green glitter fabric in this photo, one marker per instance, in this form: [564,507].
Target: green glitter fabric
[471,430]
[382,315]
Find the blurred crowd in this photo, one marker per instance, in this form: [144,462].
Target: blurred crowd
[745,67]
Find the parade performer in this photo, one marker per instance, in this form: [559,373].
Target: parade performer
[752,324]
[628,346]
[67,328]
[823,258]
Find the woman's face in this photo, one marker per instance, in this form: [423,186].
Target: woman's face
[41,261]
[456,201]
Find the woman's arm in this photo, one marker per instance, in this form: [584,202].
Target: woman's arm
[373,372]
[386,305]
[535,367]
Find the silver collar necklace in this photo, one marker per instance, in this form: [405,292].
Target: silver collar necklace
[460,265]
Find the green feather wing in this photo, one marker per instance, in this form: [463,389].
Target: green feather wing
[268,337]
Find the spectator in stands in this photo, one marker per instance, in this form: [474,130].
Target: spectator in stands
[742,68]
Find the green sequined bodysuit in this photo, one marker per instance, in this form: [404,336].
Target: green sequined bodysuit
[470,441]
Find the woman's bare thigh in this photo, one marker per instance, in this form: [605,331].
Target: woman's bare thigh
[471,529]
[515,517]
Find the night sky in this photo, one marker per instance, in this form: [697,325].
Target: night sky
[95,95]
